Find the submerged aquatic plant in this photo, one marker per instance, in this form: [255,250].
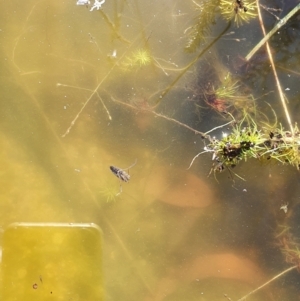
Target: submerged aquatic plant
[109,192]
[240,144]
[228,95]
[138,58]
[218,89]
[206,17]
[238,10]
[228,88]
[141,57]
[290,247]
[247,141]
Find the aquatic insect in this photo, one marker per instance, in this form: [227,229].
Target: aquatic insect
[121,174]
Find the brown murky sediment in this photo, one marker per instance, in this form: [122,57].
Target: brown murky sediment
[179,188]
[223,265]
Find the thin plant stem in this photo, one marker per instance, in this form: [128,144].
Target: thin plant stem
[268,282]
[275,28]
[205,151]
[85,89]
[203,135]
[202,52]
[218,127]
[113,27]
[95,91]
[281,95]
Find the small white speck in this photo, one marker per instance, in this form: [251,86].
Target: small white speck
[284,207]
[287,89]
[77,170]
[83,2]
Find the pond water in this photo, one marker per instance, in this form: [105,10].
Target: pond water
[84,90]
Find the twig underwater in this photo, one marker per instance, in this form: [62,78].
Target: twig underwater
[266,37]
[278,85]
[268,282]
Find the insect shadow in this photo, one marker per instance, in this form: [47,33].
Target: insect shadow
[122,174]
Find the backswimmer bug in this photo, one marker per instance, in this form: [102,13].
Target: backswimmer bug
[122,174]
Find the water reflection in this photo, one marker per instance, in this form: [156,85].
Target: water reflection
[79,92]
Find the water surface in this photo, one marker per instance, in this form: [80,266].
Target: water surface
[78,91]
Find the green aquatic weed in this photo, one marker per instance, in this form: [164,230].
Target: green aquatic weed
[246,141]
[284,146]
[238,10]
[206,11]
[141,57]
[138,58]
[109,192]
[229,92]
[228,89]
[242,143]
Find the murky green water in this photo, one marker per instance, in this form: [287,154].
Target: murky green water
[78,92]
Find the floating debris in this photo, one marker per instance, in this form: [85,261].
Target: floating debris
[83,2]
[284,207]
[97,4]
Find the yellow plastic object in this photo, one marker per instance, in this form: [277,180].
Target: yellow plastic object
[52,262]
